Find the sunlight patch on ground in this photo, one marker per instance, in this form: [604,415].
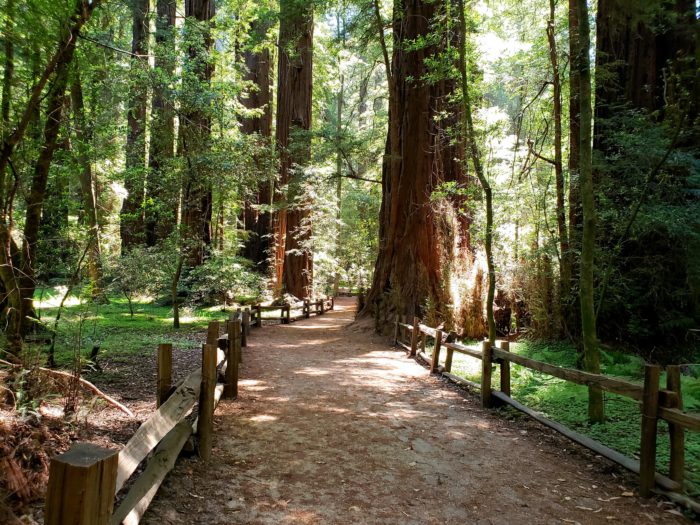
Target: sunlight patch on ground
[54,301]
[263,418]
[312,372]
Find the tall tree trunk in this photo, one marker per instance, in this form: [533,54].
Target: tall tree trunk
[8,70]
[196,134]
[339,175]
[591,352]
[160,214]
[572,316]
[409,268]
[294,87]
[131,216]
[83,132]
[258,222]
[564,250]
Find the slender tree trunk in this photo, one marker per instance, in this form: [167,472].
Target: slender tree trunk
[258,222]
[564,250]
[83,132]
[339,181]
[475,155]
[9,69]
[161,210]
[294,264]
[591,353]
[572,316]
[131,216]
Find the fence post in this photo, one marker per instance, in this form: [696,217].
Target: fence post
[436,352]
[82,485]
[257,316]
[232,351]
[332,302]
[245,320]
[486,370]
[323,306]
[505,369]
[396,331]
[414,337]
[165,373]
[676,432]
[213,332]
[307,309]
[205,421]
[650,408]
[448,359]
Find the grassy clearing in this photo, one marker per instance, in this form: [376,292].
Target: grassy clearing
[84,324]
[567,403]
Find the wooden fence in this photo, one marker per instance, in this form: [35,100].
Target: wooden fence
[84,481]
[656,403]
[307,308]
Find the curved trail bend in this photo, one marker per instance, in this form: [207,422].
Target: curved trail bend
[333,426]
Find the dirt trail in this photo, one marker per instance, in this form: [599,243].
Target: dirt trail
[334,426]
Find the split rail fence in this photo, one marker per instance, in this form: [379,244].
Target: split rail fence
[656,403]
[85,480]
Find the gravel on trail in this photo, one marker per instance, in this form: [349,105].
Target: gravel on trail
[334,426]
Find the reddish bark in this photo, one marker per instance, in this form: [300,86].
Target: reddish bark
[409,268]
[258,223]
[293,263]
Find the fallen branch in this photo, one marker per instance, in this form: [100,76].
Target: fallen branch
[87,384]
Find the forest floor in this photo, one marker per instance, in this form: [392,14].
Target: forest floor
[332,425]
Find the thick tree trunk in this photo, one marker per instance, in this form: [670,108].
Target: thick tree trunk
[131,216]
[409,268]
[293,261]
[591,353]
[83,132]
[258,222]
[196,135]
[160,213]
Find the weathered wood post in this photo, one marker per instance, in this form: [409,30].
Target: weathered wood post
[676,432]
[396,331]
[332,302]
[164,380]
[505,368]
[232,350]
[436,352]
[82,485]
[486,371]
[245,320]
[323,306]
[213,332]
[448,359]
[650,408]
[205,421]
[307,309]
[257,315]
[414,337]
[247,314]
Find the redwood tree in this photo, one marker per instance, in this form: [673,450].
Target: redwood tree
[409,268]
[161,190]
[131,216]
[195,132]
[256,221]
[293,263]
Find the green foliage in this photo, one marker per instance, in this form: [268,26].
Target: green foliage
[222,278]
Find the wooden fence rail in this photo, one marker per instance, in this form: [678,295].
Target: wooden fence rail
[84,481]
[655,402]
